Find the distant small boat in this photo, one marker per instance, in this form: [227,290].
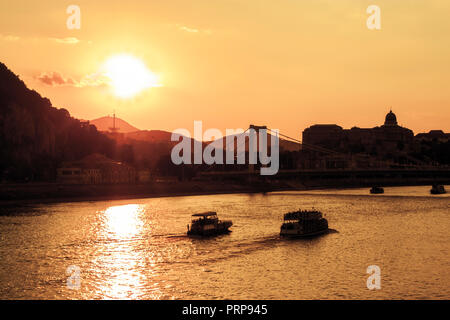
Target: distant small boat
[437,189]
[208,224]
[303,223]
[376,190]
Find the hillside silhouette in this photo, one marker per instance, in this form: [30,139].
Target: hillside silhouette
[151,136]
[131,133]
[36,137]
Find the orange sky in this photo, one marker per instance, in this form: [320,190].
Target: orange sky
[286,64]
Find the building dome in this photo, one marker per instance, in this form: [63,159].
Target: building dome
[391,119]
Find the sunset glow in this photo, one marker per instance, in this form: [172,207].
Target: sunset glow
[209,56]
[225,155]
[128,75]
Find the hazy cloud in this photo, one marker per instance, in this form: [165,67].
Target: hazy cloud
[9,37]
[68,40]
[193,30]
[188,29]
[56,79]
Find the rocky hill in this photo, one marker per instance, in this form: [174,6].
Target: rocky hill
[36,137]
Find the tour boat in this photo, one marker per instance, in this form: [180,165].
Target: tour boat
[376,190]
[303,223]
[208,224]
[437,189]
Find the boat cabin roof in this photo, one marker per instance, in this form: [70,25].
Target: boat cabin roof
[303,215]
[205,214]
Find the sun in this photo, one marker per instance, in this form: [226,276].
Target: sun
[128,75]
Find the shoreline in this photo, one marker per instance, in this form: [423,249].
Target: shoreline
[118,198]
[25,194]
[46,193]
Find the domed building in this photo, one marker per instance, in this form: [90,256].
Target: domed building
[386,141]
[391,119]
[392,138]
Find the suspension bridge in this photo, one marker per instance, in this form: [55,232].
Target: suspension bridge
[385,172]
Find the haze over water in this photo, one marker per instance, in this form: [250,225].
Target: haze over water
[137,249]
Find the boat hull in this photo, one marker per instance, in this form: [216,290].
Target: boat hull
[295,234]
[211,230]
[438,190]
[304,228]
[377,191]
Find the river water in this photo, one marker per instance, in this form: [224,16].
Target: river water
[137,249]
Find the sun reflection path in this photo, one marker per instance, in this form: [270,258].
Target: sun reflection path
[121,260]
[124,222]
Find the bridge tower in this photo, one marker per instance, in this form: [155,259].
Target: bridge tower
[251,167]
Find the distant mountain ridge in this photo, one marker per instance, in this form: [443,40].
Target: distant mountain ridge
[150,135]
[157,136]
[284,145]
[106,123]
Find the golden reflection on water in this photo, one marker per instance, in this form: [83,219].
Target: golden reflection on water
[138,249]
[124,222]
[120,257]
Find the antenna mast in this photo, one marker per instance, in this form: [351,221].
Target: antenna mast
[114,129]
